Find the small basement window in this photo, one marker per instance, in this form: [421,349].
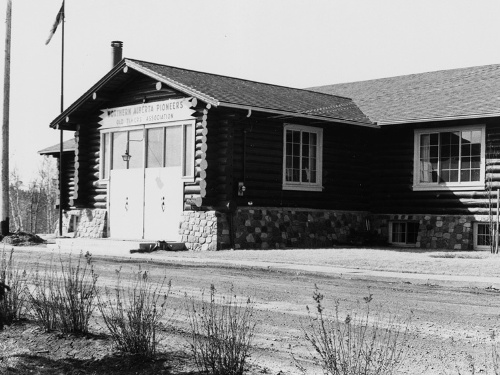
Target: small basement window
[403,232]
[482,236]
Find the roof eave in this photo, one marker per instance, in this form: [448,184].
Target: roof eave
[298,114]
[436,119]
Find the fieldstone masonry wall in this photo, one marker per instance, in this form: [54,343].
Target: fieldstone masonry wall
[272,228]
[205,230]
[452,232]
[88,223]
[265,228]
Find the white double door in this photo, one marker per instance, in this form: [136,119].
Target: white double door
[146,203]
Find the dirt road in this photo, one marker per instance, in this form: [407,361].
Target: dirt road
[450,327]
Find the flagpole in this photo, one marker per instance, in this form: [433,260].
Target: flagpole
[4,223]
[60,127]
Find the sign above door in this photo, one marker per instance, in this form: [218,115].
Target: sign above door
[148,113]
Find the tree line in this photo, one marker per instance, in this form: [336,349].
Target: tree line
[33,205]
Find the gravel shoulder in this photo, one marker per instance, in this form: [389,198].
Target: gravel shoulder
[450,326]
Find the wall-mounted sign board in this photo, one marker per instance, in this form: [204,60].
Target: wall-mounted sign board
[148,113]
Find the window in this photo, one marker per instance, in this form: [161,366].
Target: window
[449,158]
[118,145]
[482,237]
[403,232]
[302,158]
[149,147]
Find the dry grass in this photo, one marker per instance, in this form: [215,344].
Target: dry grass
[133,313]
[14,305]
[64,296]
[222,331]
[361,342]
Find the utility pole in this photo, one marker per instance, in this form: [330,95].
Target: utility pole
[61,137]
[4,163]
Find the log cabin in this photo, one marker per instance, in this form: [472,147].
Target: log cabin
[215,162]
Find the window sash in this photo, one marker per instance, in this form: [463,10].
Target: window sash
[403,232]
[157,146]
[449,157]
[302,156]
[483,237]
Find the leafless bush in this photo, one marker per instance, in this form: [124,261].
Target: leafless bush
[360,343]
[64,297]
[14,305]
[222,330]
[133,313]
[495,355]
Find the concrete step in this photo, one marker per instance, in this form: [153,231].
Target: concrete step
[112,247]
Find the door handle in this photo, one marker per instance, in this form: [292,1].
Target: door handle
[163,204]
[126,203]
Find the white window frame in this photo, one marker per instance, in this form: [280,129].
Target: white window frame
[469,185]
[405,244]
[305,186]
[475,234]
[189,177]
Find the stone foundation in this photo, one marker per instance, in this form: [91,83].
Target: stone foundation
[453,232]
[86,223]
[265,228]
[272,228]
[205,230]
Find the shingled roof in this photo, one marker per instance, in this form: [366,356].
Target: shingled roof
[68,146]
[223,91]
[442,95]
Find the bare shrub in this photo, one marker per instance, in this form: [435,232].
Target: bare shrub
[42,298]
[495,355]
[360,343]
[222,330]
[133,314]
[64,296]
[14,305]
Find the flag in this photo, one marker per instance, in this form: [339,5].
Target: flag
[58,20]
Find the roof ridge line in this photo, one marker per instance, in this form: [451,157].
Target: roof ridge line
[244,79]
[182,87]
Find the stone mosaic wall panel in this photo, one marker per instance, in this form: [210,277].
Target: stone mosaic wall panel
[268,228]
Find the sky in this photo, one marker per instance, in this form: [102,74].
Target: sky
[296,43]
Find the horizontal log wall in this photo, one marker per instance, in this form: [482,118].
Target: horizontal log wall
[68,178]
[195,192]
[392,175]
[219,160]
[258,163]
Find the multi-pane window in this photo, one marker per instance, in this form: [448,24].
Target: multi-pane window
[403,232]
[164,147]
[302,158]
[449,157]
[149,147]
[482,236]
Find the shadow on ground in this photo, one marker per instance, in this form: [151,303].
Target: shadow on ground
[168,363]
